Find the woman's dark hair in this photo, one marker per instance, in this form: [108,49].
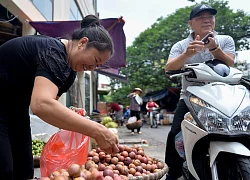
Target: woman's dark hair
[98,36]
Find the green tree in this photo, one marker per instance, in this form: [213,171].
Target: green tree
[148,54]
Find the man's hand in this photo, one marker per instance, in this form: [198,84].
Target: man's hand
[194,47]
[211,44]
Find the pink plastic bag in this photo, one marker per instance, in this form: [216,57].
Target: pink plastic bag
[63,149]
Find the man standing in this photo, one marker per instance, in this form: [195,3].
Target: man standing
[194,50]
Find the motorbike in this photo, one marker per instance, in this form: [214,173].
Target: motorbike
[152,117]
[215,132]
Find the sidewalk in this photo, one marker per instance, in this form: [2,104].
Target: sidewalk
[150,144]
[152,140]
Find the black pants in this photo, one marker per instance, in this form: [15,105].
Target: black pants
[138,117]
[172,158]
[16,160]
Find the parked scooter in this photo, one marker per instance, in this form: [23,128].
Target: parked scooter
[216,131]
[152,117]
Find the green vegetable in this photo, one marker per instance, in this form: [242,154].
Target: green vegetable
[108,122]
[105,120]
[37,147]
[111,125]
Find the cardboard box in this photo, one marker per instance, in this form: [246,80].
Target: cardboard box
[170,117]
[167,119]
[165,122]
[102,107]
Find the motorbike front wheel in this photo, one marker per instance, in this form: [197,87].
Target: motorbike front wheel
[238,168]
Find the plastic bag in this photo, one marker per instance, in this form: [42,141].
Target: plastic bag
[63,149]
[132,119]
[179,145]
[41,136]
[138,99]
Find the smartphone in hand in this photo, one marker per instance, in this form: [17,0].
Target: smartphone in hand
[205,39]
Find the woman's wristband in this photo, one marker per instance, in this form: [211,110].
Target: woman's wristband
[214,49]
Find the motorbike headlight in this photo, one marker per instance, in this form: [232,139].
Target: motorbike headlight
[215,121]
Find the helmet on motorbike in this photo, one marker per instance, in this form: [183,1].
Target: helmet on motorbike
[219,67]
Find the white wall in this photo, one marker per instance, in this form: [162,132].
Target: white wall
[86,6]
[61,10]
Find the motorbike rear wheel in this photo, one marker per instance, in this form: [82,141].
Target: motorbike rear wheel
[238,168]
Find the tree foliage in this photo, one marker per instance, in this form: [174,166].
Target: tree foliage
[148,54]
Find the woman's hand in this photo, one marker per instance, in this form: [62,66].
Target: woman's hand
[107,141]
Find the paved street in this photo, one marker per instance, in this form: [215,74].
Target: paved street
[156,138]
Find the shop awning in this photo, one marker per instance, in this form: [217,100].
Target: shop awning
[112,73]
[156,95]
[166,98]
[113,25]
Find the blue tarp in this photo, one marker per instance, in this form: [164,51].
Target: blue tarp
[156,95]
[166,98]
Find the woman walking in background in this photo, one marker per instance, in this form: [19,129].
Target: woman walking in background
[135,106]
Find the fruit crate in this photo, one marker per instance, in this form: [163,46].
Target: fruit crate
[152,176]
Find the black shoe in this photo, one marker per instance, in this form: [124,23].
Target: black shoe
[169,178]
[185,172]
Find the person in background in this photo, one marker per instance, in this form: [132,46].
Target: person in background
[135,106]
[193,50]
[149,106]
[127,113]
[122,118]
[117,110]
[35,71]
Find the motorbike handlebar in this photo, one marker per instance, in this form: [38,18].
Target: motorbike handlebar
[176,73]
[154,108]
